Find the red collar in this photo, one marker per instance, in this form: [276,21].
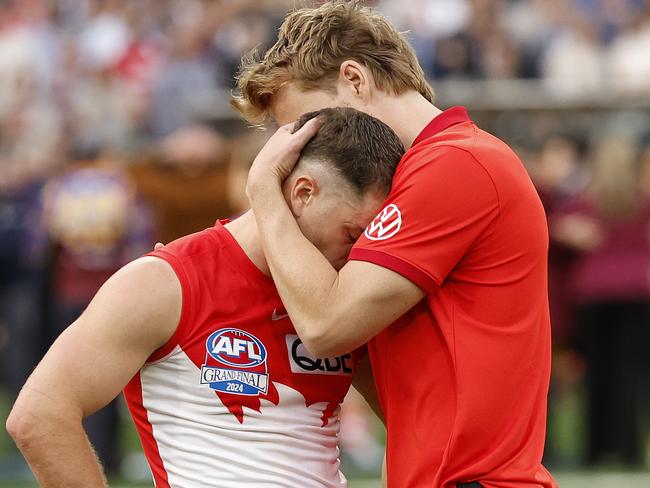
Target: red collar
[451,116]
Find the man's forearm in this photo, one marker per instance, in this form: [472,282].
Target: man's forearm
[305,279]
[54,443]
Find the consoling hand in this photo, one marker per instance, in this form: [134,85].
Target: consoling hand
[279,156]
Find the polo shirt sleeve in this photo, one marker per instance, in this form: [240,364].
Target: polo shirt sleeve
[442,203]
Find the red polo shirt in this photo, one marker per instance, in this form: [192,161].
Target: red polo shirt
[463,377]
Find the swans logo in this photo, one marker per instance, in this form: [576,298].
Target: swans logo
[386,224]
[235,362]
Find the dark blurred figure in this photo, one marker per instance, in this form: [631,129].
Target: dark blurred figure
[456,57]
[186,182]
[30,139]
[559,175]
[22,280]
[187,81]
[94,223]
[608,228]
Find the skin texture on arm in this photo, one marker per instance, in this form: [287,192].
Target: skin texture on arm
[133,314]
[333,312]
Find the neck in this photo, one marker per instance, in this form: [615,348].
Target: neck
[244,230]
[407,115]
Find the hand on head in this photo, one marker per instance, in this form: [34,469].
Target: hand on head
[279,156]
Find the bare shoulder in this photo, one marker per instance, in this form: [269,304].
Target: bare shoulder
[143,300]
[151,273]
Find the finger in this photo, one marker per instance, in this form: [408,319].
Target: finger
[303,135]
[158,246]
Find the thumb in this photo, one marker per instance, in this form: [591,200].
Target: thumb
[158,246]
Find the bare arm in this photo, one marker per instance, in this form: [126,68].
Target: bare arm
[333,312]
[364,383]
[133,314]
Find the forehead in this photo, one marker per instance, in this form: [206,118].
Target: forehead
[291,101]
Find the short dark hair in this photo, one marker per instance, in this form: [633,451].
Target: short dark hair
[362,149]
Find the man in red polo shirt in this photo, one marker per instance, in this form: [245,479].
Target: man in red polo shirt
[448,283]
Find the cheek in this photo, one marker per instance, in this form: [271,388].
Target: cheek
[309,231]
[315,225]
[329,238]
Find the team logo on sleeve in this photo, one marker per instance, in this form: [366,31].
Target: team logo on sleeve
[386,224]
[235,362]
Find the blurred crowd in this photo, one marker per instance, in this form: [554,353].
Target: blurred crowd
[595,185]
[575,45]
[115,134]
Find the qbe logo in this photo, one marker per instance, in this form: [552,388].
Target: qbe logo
[235,362]
[386,224]
[301,361]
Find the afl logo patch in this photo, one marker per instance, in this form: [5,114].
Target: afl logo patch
[235,362]
[386,224]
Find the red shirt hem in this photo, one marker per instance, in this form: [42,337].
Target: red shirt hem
[406,269]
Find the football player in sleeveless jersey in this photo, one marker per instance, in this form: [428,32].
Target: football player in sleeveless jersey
[222,390]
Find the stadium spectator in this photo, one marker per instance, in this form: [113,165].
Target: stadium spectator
[185,181]
[187,77]
[628,60]
[94,223]
[573,61]
[608,282]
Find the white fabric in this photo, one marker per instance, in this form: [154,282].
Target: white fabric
[202,444]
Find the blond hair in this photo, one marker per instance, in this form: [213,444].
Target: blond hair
[313,42]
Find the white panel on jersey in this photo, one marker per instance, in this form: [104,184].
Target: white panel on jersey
[302,361]
[203,445]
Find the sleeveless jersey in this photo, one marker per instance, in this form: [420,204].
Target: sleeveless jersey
[234,399]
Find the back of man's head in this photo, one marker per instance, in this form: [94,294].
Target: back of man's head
[313,42]
[359,148]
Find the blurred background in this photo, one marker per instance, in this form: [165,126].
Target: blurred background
[115,133]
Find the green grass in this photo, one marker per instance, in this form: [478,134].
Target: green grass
[565,429]
[575,479]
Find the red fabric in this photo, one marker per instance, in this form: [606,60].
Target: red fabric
[72,283]
[463,376]
[222,288]
[133,397]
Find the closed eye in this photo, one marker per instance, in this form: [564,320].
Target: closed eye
[353,237]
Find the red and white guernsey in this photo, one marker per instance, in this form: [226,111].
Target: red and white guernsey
[234,399]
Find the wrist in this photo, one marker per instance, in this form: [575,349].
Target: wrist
[264,191]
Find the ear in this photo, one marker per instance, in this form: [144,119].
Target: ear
[356,79]
[302,191]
